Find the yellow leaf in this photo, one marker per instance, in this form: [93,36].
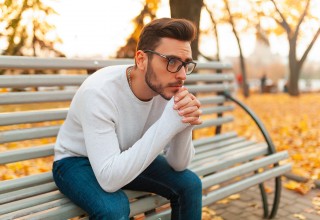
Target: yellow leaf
[223,201]
[316,201]
[299,216]
[234,196]
[291,185]
[268,189]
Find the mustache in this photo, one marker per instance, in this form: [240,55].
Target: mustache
[179,83]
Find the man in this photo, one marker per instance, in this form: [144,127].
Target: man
[120,121]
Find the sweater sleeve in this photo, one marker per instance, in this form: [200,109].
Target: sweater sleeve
[180,150]
[113,168]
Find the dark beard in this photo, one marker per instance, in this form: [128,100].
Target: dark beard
[156,88]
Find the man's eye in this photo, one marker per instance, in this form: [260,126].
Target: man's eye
[173,62]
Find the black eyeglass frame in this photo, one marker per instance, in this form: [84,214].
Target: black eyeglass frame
[184,64]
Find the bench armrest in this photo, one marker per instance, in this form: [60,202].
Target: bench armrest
[255,118]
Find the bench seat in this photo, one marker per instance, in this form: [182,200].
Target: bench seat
[225,162]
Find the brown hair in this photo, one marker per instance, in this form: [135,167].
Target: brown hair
[179,29]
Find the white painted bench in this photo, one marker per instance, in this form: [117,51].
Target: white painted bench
[223,159]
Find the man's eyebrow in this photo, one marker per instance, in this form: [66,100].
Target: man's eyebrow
[176,57]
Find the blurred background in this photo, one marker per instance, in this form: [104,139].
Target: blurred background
[272,44]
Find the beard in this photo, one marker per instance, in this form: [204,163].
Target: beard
[151,80]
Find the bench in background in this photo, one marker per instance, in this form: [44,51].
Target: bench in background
[226,162]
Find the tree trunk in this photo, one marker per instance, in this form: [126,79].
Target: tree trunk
[295,65]
[215,31]
[294,69]
[190,10]
[245,86]
[293,87]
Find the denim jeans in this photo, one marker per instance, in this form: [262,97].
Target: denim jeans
[75,178]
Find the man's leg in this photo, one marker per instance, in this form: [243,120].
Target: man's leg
[75,179]
[183,189]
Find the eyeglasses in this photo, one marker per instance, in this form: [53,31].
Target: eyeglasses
[174,64]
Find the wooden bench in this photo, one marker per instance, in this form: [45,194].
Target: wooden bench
[226,163]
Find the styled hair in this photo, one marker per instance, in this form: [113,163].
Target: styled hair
[179,29]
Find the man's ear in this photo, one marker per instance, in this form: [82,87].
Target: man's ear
[141,60]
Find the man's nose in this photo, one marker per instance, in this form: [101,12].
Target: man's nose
[182,73]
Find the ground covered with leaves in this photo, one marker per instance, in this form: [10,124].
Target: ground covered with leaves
[293,124]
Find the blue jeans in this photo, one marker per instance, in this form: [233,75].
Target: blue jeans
[75,178]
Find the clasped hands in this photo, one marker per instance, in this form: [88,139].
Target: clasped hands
[188,106]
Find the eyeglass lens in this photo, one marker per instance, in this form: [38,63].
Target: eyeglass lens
[174,65]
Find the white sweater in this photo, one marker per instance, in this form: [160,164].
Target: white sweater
[120,134]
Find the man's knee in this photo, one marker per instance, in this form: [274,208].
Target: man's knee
[194,182]
[191,183]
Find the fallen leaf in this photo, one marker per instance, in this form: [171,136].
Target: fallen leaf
[299,216]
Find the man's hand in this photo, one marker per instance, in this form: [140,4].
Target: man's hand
[188,106]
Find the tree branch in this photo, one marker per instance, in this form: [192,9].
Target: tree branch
[305,54]
[296,32]
[215,29]
[284,22]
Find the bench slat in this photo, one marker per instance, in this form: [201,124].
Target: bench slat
[213,139]
[30,202]
[29,213]
[216,109]
[215,122]
[146,204]
[23,182]
[33,116]
[35,97]
[212,100]
[216,163]
[242,169]
[29,134]
[46,198]
[212,146]
[223,150]
[26,154]
[22,81]
[225,77]
[23,62]
[244,184]
[219,147]
[28,192]
[165,215]
[210,88]
[65,211]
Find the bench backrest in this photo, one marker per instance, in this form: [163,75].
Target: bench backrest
[32,107]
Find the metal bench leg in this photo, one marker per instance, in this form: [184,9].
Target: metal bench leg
[264,199]
[276,200]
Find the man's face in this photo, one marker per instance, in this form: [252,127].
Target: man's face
[157,77]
